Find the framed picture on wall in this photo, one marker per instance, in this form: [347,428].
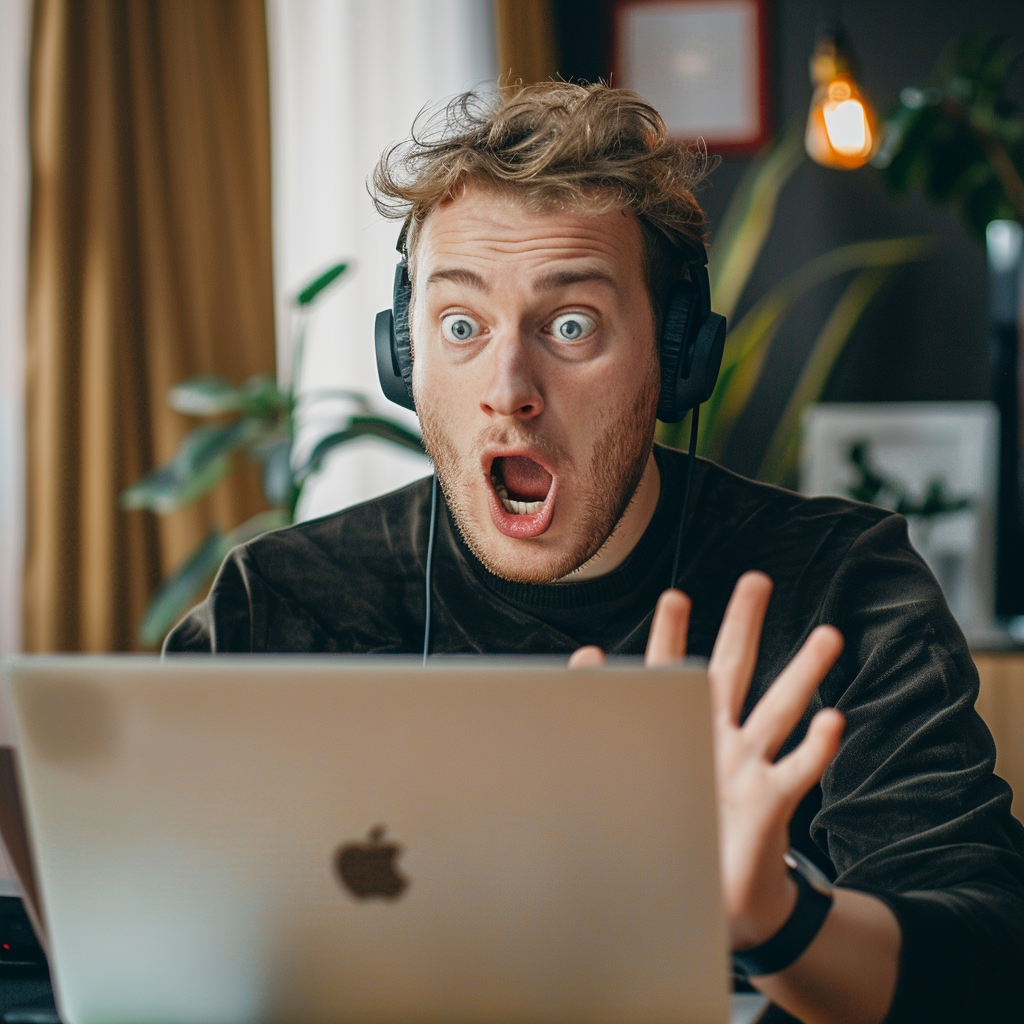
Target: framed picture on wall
[934,462]
[702,63]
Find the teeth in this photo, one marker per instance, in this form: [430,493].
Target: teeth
[519,508]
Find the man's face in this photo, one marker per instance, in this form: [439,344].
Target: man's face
[535,375]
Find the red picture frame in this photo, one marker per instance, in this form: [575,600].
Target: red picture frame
[703,63]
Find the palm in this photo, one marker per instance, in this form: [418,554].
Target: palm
[757,795]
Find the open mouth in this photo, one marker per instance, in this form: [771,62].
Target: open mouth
[524,493]
[521,484]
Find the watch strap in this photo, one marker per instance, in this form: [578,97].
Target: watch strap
[813,902]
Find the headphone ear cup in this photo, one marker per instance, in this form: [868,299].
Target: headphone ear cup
[672,351]
[392,383]
[691,354]
[393,343]
[706,361]
[401,299]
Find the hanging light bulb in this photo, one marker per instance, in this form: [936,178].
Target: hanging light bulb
[841,126]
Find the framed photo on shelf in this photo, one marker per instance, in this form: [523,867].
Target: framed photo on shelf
[934,462]
[702,63]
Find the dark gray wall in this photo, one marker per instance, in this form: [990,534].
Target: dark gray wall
[927,337]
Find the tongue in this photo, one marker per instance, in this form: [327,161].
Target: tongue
[525,479]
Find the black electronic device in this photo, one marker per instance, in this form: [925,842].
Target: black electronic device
[689,351]
[392,340]
[20,952]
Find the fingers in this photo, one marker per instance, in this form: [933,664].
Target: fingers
[735,653]
[778,711]
[587,657]
[800,769]
[667,642]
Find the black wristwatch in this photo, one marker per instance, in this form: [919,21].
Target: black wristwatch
[813,902]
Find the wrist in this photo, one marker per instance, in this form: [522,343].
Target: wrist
[785,946]
[762,919]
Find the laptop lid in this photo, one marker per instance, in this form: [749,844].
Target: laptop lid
[343,839]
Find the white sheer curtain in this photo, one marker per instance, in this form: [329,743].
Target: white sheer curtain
[14,30]
[347,79]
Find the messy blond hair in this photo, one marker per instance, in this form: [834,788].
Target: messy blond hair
[555,145]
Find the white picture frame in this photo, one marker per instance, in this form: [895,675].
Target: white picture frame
[702,64]
[916,443]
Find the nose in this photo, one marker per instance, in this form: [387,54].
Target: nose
[512,389]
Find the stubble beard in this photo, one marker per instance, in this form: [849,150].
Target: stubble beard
[605,487]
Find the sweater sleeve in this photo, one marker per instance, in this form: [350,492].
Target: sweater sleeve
[223,622]
[911,810]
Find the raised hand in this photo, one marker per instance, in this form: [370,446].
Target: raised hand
[848,973]
[757,796]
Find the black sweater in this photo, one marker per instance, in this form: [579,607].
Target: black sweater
[909,809]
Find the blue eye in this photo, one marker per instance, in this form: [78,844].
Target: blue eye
[458,327]
[572,326]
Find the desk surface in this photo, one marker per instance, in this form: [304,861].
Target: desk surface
[28,1000]
[1001,704]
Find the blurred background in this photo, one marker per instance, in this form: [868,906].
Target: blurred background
[190,266]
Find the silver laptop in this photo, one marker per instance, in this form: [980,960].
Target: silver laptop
[222,840]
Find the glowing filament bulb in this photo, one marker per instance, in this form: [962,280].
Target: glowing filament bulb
[847,127]
[840,126]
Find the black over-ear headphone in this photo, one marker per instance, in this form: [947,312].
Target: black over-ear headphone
[690,348]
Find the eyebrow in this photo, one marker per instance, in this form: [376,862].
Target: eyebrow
[460,275]
[560,278]
[549,282]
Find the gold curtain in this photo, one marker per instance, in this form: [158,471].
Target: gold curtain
[525,31]
[149,262]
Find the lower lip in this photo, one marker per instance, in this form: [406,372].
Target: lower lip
[521,527]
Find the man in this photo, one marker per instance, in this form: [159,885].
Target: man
[546,232]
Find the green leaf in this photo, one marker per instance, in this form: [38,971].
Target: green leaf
[780,461]
[959,140]
[361,426]
[182,588]
[905,155]
[201,462]
[262,398]
[1002,52]
[748,342]
[956,165]
[166,490]
[262,522]
[748,220]
[259,396]
[205,396]
[319,283]
[277,472]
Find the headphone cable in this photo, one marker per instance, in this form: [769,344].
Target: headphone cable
[694,420]
[431,530]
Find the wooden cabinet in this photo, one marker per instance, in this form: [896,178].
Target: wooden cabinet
[1001,704]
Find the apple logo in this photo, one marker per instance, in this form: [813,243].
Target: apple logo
[368,869]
